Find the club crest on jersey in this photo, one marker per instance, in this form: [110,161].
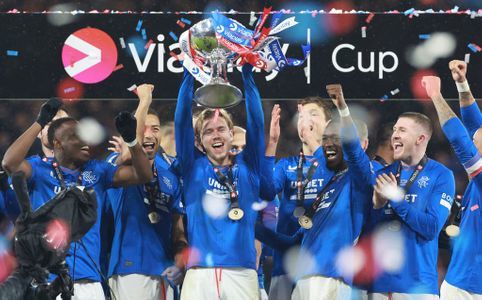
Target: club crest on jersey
[89,177]
[423,181]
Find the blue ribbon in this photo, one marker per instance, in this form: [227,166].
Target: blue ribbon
[280,58]
[231,30]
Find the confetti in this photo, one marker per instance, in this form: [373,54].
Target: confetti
[133,88]
[144,35]
[139,26]
[474,47]
[370,18]
[174,55]
[90,131]
[180,23]
[474,207]
[148,44]
[467,58]
[118,67]
[184,20]
[424,36]
[122,42]
[385,97]
[57,235]
[12,53]
[215,205]
[395,91]
[173,35]
[252,18]
[364,32]
[409,11]
[69,90]
[455,9]
[473,14]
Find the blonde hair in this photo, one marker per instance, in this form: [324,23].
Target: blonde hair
[208,114]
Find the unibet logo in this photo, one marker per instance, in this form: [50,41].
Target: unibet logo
[89,55]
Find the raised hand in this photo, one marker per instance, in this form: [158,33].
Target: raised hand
[48,111]
[144,92]
[431,85]
[274,128]
[335,91]
[458,69]
[125,123]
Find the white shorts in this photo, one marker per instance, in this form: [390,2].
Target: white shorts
[87,291]
[140,287]
[280,288]
[264,295]
[220,284]
[449,292]
[401,296]
[321,288]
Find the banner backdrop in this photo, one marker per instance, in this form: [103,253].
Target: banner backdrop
[107,53]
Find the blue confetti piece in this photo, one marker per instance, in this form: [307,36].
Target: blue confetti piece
[186,21]
[473,47]
[12,53]
[385,97]
[139,26]
[424,36]
[173,35]
[144,35]
[410,11]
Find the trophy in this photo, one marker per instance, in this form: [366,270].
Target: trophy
[218,93]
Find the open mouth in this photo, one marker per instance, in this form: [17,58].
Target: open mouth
[330,154]
[148,145]
[397,146]
[217,145]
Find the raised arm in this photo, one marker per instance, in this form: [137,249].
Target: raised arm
[455,132]
[255,147]
[140,171]
[14,158]
[274,131]
[355,156]
[471,116]
[184,131]
[144,92]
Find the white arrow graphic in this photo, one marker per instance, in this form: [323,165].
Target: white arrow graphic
[94,55]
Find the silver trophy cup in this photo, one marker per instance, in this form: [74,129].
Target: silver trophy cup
[218,93]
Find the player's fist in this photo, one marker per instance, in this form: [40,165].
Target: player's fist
[144,92]
[125,123]
[431,85]
[458,69]
[335,92]
[48,111]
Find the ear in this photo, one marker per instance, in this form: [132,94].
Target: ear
[421,138]
[364,144]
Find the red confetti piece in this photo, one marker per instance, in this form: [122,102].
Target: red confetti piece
[474,207]
[370,18]
[148,44]
[118,67]
[181,24]
[174,55]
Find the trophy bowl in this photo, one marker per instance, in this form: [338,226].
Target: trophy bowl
[218,92]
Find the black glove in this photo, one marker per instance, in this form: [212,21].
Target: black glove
[48,111]
[126,125]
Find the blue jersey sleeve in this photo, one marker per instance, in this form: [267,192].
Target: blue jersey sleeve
[108,171]
[267,175]
[184,131]
[274,185]
[356,158]
[428,223]
[471,117]
[464,149]
[276,240]
[255,148]
[177,206]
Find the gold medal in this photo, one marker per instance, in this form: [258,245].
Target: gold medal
[299,211]
[236,214]
[305,222]
[452,230]
[154,217]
